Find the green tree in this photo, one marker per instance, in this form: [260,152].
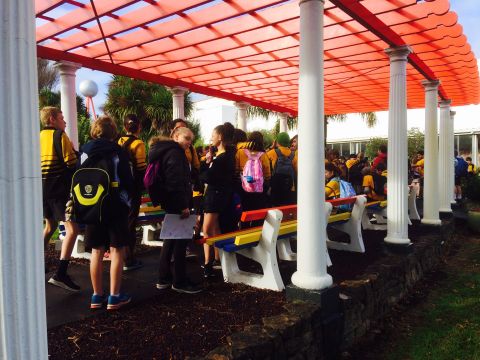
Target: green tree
[373,145]
[416,142]
[151,102]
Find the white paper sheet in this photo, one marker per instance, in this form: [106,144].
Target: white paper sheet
[175,228]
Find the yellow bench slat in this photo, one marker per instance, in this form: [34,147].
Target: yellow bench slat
[248,238]
[339,217]
[146,209]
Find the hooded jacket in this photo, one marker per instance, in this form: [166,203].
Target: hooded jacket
[104,147]
[175,173]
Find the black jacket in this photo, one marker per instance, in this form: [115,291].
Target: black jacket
[221,172]
[175,174]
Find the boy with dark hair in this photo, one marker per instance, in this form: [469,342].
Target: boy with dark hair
[58,161]
[374,182]
[284,171]
[472,169]
[381,156]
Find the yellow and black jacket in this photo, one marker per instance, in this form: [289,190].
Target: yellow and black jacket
[56,172]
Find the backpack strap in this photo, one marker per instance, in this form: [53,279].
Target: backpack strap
[126,146]
[57,146]
[252,157]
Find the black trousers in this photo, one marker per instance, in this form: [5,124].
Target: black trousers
[132,224]
[173,248]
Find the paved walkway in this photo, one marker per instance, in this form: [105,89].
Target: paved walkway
[64,306]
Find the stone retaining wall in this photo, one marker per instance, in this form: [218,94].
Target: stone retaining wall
[300,333]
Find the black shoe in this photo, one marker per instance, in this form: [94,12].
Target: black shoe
[64,282]
[162,285]
[208,270]
[216,264]
[136,264]
[187,288]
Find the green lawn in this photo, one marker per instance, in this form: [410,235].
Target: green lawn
[449,326]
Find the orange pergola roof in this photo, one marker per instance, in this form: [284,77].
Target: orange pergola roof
[248,50]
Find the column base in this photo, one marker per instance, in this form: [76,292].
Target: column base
[331,318]
[391,248]
[390,240]
[435,222]
[453,202]
[446,210]
[309,282]
[446,215]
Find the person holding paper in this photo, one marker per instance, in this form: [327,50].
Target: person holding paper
[176,193]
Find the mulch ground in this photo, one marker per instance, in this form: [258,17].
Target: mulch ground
[176,326]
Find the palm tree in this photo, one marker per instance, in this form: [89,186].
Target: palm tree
[47,75]
[151,102]
[370,119]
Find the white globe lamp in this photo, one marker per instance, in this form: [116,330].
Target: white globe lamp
[89,89]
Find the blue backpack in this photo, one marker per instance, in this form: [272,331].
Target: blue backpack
[346,190]
[461,167]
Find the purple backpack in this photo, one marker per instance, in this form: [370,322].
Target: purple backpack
[153,182]
[252,175]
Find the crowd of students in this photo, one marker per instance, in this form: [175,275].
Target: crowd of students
[214,183]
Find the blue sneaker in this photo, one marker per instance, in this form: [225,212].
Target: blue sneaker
[116,302]
[97,301]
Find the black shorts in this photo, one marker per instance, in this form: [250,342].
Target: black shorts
[114,234]
[216,200]
[458,180]
[197,204]
[54,209]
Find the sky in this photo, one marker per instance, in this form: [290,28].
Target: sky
[469,16]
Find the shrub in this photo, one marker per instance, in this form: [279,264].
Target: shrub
[471,188]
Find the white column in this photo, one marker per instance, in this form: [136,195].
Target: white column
[178,96]
[397,209]
[23,324]
[283,121]
[242,115]
[68,98]
[445,158]
[311,248]
[451,138]
[352,148]
[475,149]
[431,180]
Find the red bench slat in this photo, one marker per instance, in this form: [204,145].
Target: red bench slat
[289,213]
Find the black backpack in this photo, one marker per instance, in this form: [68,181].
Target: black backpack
[379,183]
[355,173]
[94,190]
[283,177]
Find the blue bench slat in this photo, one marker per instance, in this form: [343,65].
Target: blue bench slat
[222,243]
[151,217]
[232,247]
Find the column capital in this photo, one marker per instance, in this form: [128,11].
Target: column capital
[445,103]
[304,1]
[399,53]
[284,114]
[242,105]
[431,85]
[177,90]
[67,67]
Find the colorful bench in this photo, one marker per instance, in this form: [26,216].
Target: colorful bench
[379,210]
[262,243]
[149,218]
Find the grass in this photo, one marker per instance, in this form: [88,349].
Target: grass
[449,323]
